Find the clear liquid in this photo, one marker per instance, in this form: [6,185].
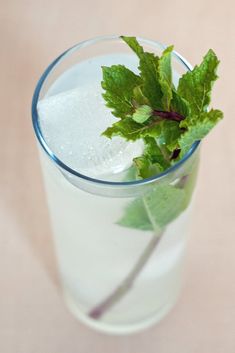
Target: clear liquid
[95,254]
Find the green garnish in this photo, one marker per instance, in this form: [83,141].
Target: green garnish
[169,119]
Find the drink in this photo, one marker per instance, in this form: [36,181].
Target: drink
[95,254]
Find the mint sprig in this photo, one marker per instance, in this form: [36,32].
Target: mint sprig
[169,120]
[149,105]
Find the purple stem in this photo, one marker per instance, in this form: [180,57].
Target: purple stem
[168,115]
[121,290]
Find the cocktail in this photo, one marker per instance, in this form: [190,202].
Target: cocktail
[120,235]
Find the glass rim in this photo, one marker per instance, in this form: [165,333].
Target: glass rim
[65,167]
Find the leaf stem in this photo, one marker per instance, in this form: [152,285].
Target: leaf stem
[100,309]
[168,115]
[161,115]
[122,289]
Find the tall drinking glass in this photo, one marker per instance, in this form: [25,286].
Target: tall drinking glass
[120,242]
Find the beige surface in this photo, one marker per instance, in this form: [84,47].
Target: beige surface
[33,318]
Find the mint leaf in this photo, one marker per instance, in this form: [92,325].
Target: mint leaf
[135,216]
[119,83]
[152,162]
[139,98]
[146,168]
[161,205]
[126,128]
[170,133]
[165,77]
[164,203]
[158,207]
[195,86]
[134,45]
[142,114]
[151,86]
[154,153]
[148,66]
[131,130]
[179,104]
[198,127]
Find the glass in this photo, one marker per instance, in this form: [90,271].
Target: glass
[120,244]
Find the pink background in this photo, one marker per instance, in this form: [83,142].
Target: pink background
[33,317]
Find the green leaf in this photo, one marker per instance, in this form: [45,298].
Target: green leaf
[164,131]
[135,216]
[179,104]
[131,130]
[164,204]
[134,45]
[126,128]
[151,85]
[157,209]
[152,162]
[170,133]
[148,67]
[198,127]
[142,114]
[150,129]
[119,83]
[146,168]
[154,153]
[165,77]
[195,86]
[139,98]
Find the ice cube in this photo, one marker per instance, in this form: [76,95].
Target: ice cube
[72,123]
